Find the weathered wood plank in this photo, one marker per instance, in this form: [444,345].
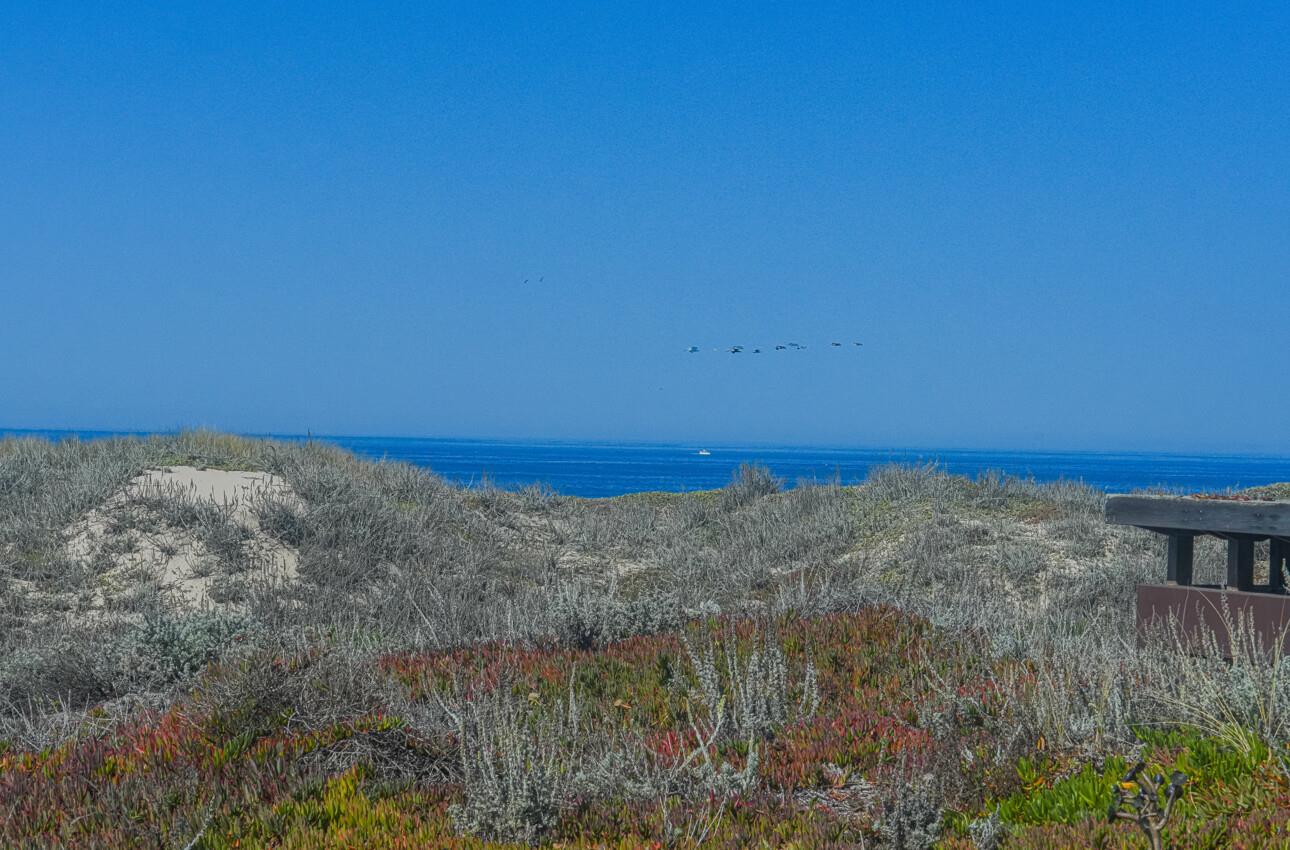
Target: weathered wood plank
[1202,515]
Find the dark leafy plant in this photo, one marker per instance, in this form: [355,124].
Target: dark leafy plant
[1146,801]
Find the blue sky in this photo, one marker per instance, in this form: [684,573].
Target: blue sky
[1059,228]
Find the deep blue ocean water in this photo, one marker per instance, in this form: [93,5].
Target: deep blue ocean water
[612,469]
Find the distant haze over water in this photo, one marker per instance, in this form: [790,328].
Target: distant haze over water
[612,469]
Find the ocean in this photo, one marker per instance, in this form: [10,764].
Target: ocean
[613,469]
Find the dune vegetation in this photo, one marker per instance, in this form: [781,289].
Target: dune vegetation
[345,654]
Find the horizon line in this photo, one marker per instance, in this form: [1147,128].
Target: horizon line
[573,441]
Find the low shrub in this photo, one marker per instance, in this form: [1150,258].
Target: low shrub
[516,767]
[166,649]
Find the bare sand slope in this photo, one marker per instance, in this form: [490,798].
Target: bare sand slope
[221,485]
[195,532]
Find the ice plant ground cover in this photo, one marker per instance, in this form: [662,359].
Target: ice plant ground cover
[232,763]
[922,661]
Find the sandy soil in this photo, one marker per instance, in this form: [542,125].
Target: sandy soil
[174,557]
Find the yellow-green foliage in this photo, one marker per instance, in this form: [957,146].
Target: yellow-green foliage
[339,815]
[1225,786]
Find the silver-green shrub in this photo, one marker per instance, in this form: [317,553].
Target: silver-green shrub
[750,483]
[988,833]
[586,616]
[516,764]
[750,689]
[165,649]
[913,820]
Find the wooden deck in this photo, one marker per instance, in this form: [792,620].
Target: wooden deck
[1242,524]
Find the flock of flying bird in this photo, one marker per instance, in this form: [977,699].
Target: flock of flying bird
[792,346]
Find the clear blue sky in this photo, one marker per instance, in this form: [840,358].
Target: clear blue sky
[1060,228]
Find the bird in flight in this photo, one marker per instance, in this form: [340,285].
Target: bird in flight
[794,346]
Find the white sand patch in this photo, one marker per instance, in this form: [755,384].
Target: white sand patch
[133,542]
[220,485]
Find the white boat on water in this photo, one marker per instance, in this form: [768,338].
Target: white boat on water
[704,452]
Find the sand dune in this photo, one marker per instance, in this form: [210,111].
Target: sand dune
[133,542]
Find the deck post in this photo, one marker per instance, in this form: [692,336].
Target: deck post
[1277,551]
[1181,557]
[1240,563]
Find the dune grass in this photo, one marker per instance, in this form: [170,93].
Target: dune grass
[923,660]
